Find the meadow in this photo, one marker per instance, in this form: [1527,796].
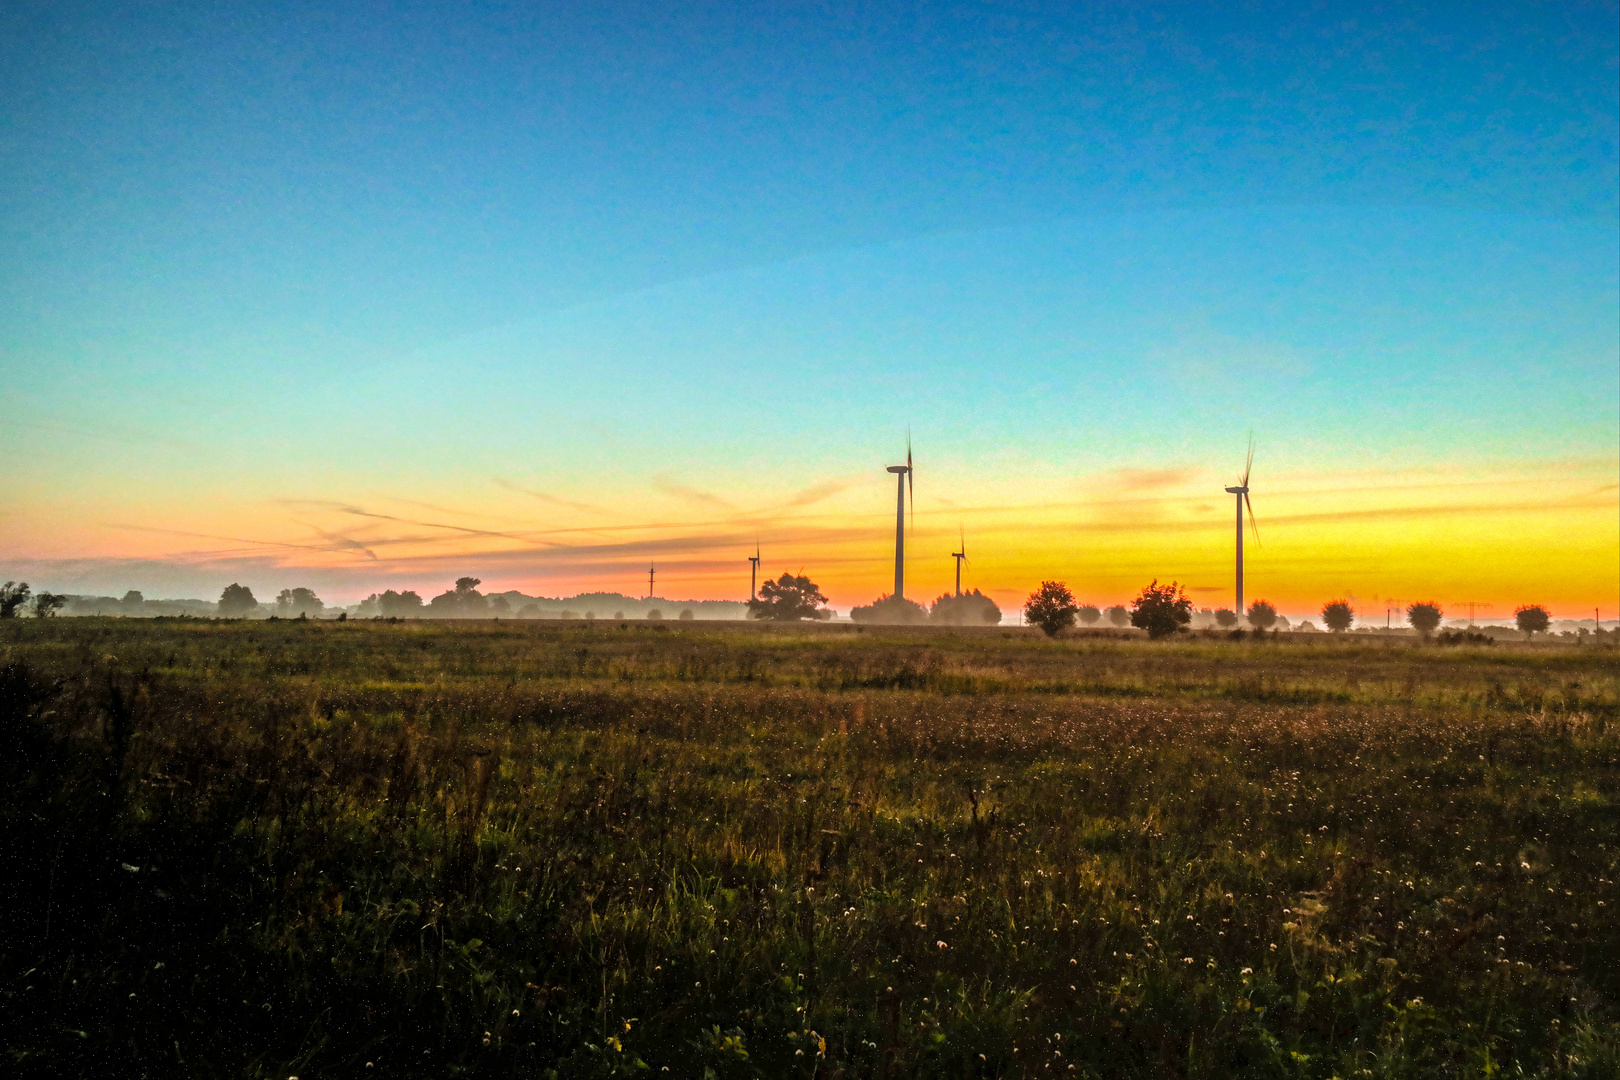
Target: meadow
[431,849]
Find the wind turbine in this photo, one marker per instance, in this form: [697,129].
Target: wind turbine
[1242,493]
[753,573]
[651,568]
[960,557]
[903,477]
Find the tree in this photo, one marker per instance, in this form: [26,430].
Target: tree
[401,605]
[969,609]
[655,615]
[1338,615]
[500,605]
[1531,618]
[1226,618]
[294,603]
[1262,615]
[686,615]
[1051,607]
[132,601]
[1161,610]
[1089,613]
[236,602]
[1118,615]
[463,602]
[1424,616]
[787,599]
[47,604]
[891,611]
[13,595]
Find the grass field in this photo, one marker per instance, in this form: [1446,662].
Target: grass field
[327,849]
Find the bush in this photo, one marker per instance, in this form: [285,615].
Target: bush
[1226,618]
[1051,607]
[1089,613]
[1119,616]
[686,615]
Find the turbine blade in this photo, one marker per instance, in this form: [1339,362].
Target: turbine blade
[1252,526]
[1248,462]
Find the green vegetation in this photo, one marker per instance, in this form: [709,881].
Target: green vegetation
[506,849]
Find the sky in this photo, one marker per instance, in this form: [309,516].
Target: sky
[370,296]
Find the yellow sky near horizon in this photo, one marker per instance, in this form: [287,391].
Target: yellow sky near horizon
[1498,536]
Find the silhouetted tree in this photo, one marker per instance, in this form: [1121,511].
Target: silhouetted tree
[401,605]
[1161,610]
[292,603]
[1531,618]
[1338,615]
[1051,607]
[655,615]
[462,602]
[888,610]
[530,611]
[500,605]
[789,598]
[1262,615]
[132,601]
[13,595]
[237,602]
[1118,615]
[970,609]
[47,604]
[1226,618]
[686,615]
[1424,616]
[1089,613]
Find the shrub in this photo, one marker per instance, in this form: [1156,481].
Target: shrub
[1226,618]
[1089,613]
[1118,615]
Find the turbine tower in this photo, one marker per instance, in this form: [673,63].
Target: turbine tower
[753,573]
[1242,493]
[651,569]
[960,557]
[903,478]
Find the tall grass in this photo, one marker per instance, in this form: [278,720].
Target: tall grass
[248,849]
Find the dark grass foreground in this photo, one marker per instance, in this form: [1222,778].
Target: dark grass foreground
[345,850]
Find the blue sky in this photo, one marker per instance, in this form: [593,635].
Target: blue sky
[666,253]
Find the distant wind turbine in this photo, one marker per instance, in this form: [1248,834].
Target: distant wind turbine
[753,573]
[960,557]
[1242,493]
[903,475]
